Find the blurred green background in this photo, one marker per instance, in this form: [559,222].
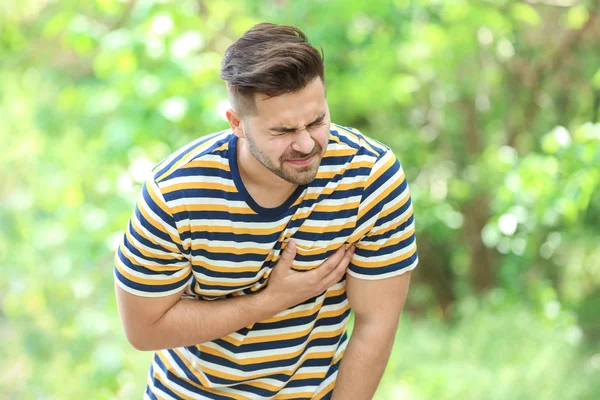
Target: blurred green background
[491,106]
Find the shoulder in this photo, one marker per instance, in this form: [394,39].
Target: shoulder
[355,139]
[205,153]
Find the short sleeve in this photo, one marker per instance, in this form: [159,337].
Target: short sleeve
[150,261]
[385,224]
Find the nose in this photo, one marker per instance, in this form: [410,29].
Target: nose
[303,143]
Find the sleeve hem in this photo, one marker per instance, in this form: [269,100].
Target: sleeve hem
[142,293]
[383,276]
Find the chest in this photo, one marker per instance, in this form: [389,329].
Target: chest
[233,251]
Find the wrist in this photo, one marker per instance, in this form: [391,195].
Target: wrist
[267,301]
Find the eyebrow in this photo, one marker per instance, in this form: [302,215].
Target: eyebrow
[285,129]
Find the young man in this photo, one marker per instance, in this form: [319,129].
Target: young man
[249,247]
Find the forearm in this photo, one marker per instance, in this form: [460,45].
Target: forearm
[190,322]
[363,364]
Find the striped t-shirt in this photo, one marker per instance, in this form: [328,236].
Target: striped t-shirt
[196,226]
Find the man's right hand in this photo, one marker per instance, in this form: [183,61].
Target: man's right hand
[287,287]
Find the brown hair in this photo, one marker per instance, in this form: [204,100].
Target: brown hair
[272,60]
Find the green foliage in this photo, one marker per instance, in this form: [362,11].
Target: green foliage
[488,105]
[495,350]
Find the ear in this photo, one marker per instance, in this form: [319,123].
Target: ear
[235,122]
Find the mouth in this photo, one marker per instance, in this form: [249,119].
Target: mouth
[302,162]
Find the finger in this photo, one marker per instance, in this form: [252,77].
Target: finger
[287,257]
[329,265]
[335,275]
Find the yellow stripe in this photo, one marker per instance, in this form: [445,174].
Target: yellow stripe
[192,369]
[171,369]
[189,155]
[379,198]
[390,242]
[304,313]
[150,254]
[390,261]
[336,139]
[237,283]
[359,139]
[348,151]
[329,190]
[238,230]
[353,165]
[162,281]
[206,164]
[325,390]
[199,185]
[213,207]
[397,206]
[279,357]
[159,227]
[229,250]
[231,269]
[293,395]
[341,207]
[326,229]
[207,389]
[136,225]
[380,231]
[306,356]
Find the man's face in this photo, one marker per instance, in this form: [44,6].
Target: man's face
[288,134]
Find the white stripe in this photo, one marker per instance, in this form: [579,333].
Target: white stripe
[175,387]
[206,201]
[239,245]
[209,157]
[239,224]
[239,281]
[400,198]
[156,252]
[373,197]
[384,258]
[171,230]
[149,294]
[283,350]
[330,223]
[377,229]
[368,223]
[200,260]
[196,179]
[192,151]
[185,266]
[135,221]
[384,276]
[339,202]
[276,370]
[348,180]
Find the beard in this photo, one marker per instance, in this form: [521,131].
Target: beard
[297,175]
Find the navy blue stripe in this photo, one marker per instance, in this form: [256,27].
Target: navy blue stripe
[189,148]
[153,230]
[385,269]
[235,237]
[194,389]
[201,171]
[156,288]
[401,227]
[386,250]
[133,249]
[251,368]
[393,215]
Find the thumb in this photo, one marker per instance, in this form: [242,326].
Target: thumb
[288,255]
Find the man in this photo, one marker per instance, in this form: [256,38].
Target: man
[248,247]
